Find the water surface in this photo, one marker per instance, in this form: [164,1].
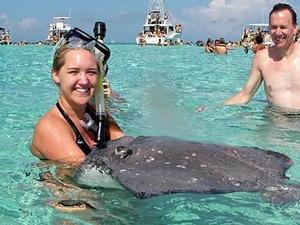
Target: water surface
[162,87]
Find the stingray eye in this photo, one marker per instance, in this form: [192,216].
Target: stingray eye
[119,150]
[125,153]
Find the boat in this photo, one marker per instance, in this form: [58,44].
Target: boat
[5,37]
[159,29]
[259,26]
[57,28]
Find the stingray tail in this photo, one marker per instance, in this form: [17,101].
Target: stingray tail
[283,195]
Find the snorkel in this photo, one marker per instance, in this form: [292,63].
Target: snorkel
[99,33]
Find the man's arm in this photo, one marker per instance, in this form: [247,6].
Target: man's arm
[254,81]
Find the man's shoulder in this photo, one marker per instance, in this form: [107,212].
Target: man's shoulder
[297,46]
[297,43]
[262,53]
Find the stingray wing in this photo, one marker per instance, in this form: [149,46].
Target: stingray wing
[161,165]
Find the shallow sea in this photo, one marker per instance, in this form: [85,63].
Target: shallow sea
[162,87]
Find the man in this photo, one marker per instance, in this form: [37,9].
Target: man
[220,47]
[277,66]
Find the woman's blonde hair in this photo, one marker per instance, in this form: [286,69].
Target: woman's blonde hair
[59,57]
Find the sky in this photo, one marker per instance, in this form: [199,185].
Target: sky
[28,20]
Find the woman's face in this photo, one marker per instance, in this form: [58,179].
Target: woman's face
[77,78]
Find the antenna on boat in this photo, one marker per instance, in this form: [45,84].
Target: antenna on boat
[70,12]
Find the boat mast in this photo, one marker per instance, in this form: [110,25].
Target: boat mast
[156,6]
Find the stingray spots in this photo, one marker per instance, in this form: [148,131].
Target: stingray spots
[232,181]
[181,166]
[138,152]
[193,180]
[158,150]
[237,184]
[150,159]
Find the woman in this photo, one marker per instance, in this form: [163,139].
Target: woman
[60,135]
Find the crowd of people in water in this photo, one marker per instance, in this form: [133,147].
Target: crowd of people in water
[5,38]
[251,39]
[218,46]
[255,40]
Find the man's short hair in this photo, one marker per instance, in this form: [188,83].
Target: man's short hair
[282,6]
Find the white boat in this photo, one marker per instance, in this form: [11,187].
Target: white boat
[159,28]
[5,38]
[57,28]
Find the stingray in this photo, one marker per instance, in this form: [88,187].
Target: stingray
[150,166]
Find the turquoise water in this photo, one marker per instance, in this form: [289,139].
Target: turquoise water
[162,87]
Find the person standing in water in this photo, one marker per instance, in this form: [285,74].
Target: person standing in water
[220,47]
[62,134]
[278,66]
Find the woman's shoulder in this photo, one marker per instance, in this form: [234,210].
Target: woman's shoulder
[54,139]
[51,122]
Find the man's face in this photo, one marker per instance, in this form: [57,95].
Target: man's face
[282,29]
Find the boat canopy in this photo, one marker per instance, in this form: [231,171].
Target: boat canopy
[61,18]
[263,26]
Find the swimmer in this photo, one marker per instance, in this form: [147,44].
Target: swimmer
[220,47]
[277,66]
[59,135]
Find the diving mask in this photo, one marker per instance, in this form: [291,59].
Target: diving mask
[76,38]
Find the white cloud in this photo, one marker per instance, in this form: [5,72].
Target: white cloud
[3,17]
[28,23]
[4,21]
